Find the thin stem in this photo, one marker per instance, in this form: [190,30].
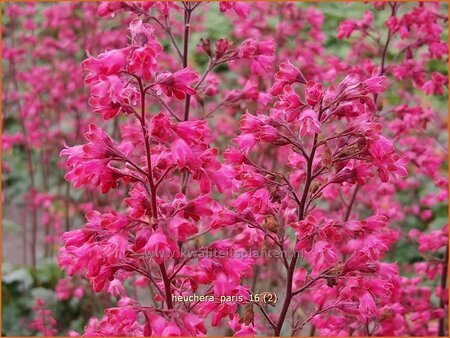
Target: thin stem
[130,162]
[266,316]
[210,67]
[168,29]
[137,178]
[290,273]
[367,327]
[147,147]
[317,193]
[164,104]
[182,264]
[215,109]
[317,312]
[441,329]
[208,290]
[352,201]
[291,188]
[291,269]
[187,28]
[66,206]
[153,189]
[307,285]
[383,55]
[198,235]
[187,105]
[163,176]
[394,7]
[312,331]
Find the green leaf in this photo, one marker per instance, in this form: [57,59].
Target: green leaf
[21,276]
[48,296]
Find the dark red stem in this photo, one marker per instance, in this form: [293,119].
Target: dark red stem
[291,269]
[441,329]
[162,267]
[187,28]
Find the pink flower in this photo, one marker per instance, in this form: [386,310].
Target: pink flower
[142,35]
[100,145]
[182,228]
[242,9]
[259,53]
[309,124]
[367,304]
[89,163]
[210,171]
[197,208]
[249,92]
[178,83]
[435,85]
[241,330]
[394,165]
[143,58]
[182,153]
[160,128]
[313,93]
[212,86]
[426,215]
[433,241]
[79,292]
[116,288]
[346,28]
[291,103]
[161,247]
[110,95]
[43,322]
[351,88]
[307,232]
[381,148]
[193,132]
[223,287]
[375,85]
[108,8]
[438,49]
[323,256]
[8,140]
[108,63]
[63,291]
[362,173]
[221,48]
[143,62]
[186,324]
[287,75]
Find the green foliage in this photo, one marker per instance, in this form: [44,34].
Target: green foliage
[21,287]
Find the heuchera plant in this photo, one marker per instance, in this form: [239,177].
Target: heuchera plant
[279,189]
[43,83]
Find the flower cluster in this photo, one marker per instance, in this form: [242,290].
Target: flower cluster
[292,189]
[155,153]
[312,137]
[43,322]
